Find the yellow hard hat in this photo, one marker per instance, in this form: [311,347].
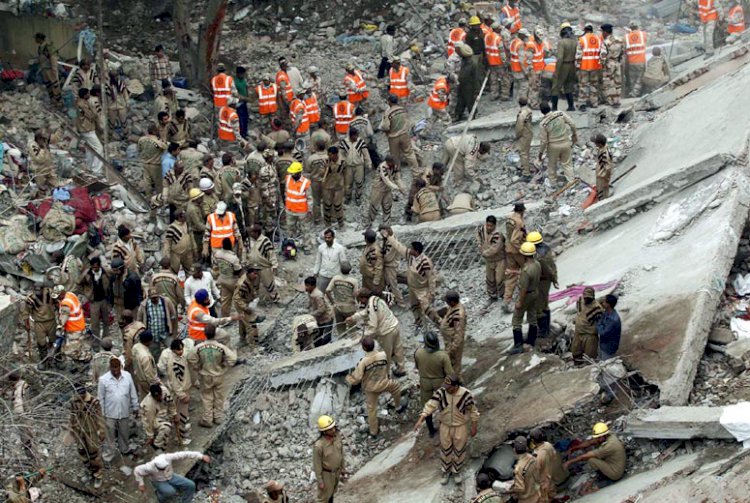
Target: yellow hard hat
[325,423]
[565,25]
[528,249]
[195,193]
[534,237]
[600,429]
[295,167]
[474,21]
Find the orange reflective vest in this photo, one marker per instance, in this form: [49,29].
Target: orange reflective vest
[221,228]
[221,85]
[591,46]
[282,76]
[399,82]
[227,115]
[297,107]
[514,14]
[296,194]
[516,65]
[538,50]
[549,69]
[343,113]
[492,43]
[356,87]
[707,11]
[312,109]
[456,35]
[486,30]
[635,47]
[196,329]
[267,99]
[435,101]
[75,322]
[736,19]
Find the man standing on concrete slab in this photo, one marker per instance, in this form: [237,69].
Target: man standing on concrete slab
[609,459]
[546,259]
[492,249]
[245,293]
[557,135]
[213,360]
[396,125]
[585,340]
[328,262]
[611,61]
[342,293]
[119,399]
[328,459]
[515,235]
[320,309]
[453,329]
[564,79]
[421,279]
[524,135]
[456,409]
[635,63]
[433,365]
[710,12]
[609,329]
[527,299]
[589,67]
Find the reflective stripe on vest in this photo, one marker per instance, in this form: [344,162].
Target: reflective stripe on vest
[356,82]
[296,194]
[549,69]
[399,83]
[736,19]
[312,109]
[227,115]
[537,61]
[591,46]
[707,11]
[196,329]
[486,30]
[492,48]
[343,112]
[514,14]
[267,99]
[221,228]
[635,47]
[222,88]
[434,101]
[282,76]
[515,62]
[456,35]
[75,322]
[297,107]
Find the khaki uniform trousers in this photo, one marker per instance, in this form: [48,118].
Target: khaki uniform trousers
[428,387]
[52,83]
[226,290]
[331,481]
[151,183]
[380,199]
[560,154]
[340,315]
[513,265]
[602,187]
[394,350]
[99,321]
[354,181]
[494,277]
[296,224]
[371,399]
[317,201]
[390,281]
[248,332]
[520,85]
[529,308]
[213,395]
[421,306]
[524,149]
[268,283]
[183,412]
[181,259]
[634,79]
[401,149]
[162,434]
[44,333]
[333,205]
[588,345]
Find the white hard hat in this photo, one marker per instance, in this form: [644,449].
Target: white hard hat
[313,69]
[205,184]
[221,207]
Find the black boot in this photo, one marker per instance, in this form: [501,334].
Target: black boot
[554,102]
[517,341]
[531,339]
[543,323]
[571,106]
[430,426]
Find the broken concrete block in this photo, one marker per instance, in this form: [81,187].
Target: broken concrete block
[721,335]
[738,353]
[677,423]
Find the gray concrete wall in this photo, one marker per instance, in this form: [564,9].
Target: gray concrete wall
[9,324]
[17,44]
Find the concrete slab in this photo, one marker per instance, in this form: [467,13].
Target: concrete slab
[677,423]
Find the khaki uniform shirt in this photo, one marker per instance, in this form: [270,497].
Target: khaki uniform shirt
[192,159]
[380,318]
[144,367]
[371,264]
[333,176]
[372,372]
[526,480]
[546,259]
[391,253]
[395,121]
[156,412]
[612,453]
[432,365]
[319,307]
[557,128]
[177,372]
[42,162]
[328,456]
[129,335]
[86,119]
[176,187]
[167,284]
[453,324]
[245,292]
[355,153]
[523,124]
[179,132]
[343,288]
[530,275]
[426,203]
[550,463]
[468,150]
[229,267]
[178,239]
[263,253]
[196,221]
[150,149]
[86,420]
[213,358]
[456,409]
[491,245]
[487,496]
[587,317]
[388,179]
[315,166]
[603,163]
[321,134]
[515,233]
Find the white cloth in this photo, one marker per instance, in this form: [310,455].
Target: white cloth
[153,473]
[329,260]
[206,282]
[736,420]
[117,397]
[387,46]
[93,161]
[295,78]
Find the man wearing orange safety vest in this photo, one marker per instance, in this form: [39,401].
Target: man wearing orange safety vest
[512,12]
[355,85]
[520,63]
[298,115]
[267,93]
[456,35]
[736,18]
[199,317]
[493,55]
[312,107]
[222,86]
[71,322]
[229,129]
[219,225]
[285,93]
[487,22]
[343,113]
[298,201]
[635,50]
[398,78]
[589,67]
[539,49]
[709,12]
[439,100]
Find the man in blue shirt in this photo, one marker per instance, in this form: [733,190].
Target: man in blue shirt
[169,158]
[609,329]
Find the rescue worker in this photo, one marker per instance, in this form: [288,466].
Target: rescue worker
[267,93]
[196,222]
[268,183]
[357,162]
[131,330]
[526,479]
[354,84]
[192,159]
[315,167]
[548,277]
[470,77]
[166,283]
[219,225]
[603,166]
[426,205]
[735,20]
[552,473]
[222,86]
[527,303]
[199,318]
[150,150]
[709,12]
[244,294]
[166,102]
[87,426]
[284,159]
[511,12]
[275,493]
[38,312]
[391,260]
[432,180]
[100,359]
[485,493]
[455,36]
[144,365]
[229,129]
[298,201]
[421,280]
[657,71]
[635,50]
[610,57]
[304,332]
[492,249]
[539,49]
[71,322]
[608,459]
[343,113]
[396,125]
[312,106]
[398,80]
[557,135]
[433,365]
[564,80]
[159,415]
[41,162]
[456,409]
[494,53]
[452,323]
[589,65]
[179,243]
[524,135]
[585,339]
[470,152]
[371,263]
[333,181]
[342,293]
[47,58]
[439,100]
[263,254]
[387,180]
[475,40]
[321,309]
[228,269]
[373,373]
[328,459]
[176,184]
[383,326]
[520,63]
[86,123]
[213,359]
[299,117]
[173,365]
[180,129]
[515,234]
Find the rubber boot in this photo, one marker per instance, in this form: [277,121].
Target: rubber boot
[554,102]
[430,426]
[571,106]
[517,341]
[544,322]
[531,338]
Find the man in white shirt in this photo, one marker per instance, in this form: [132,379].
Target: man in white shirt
[328,262]
[166,483]
[202,280]
[119,399]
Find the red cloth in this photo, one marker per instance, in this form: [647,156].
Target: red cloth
[85,212]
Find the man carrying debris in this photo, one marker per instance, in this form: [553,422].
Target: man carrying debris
[173,366]
[244,299]
[492,249]
[396,125]
[552,473]
[342,293]
[166,483]
[515,235]
[159,415]
[456,409]
[470,152]
[608,459]
[610,57]
[88,428]
[524,135]
[585,338]
[433,365]
[470,77]
[213,360]
[373,373]
[453,329]
[557,134]
[328,459]
[603,166]
[548,277]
